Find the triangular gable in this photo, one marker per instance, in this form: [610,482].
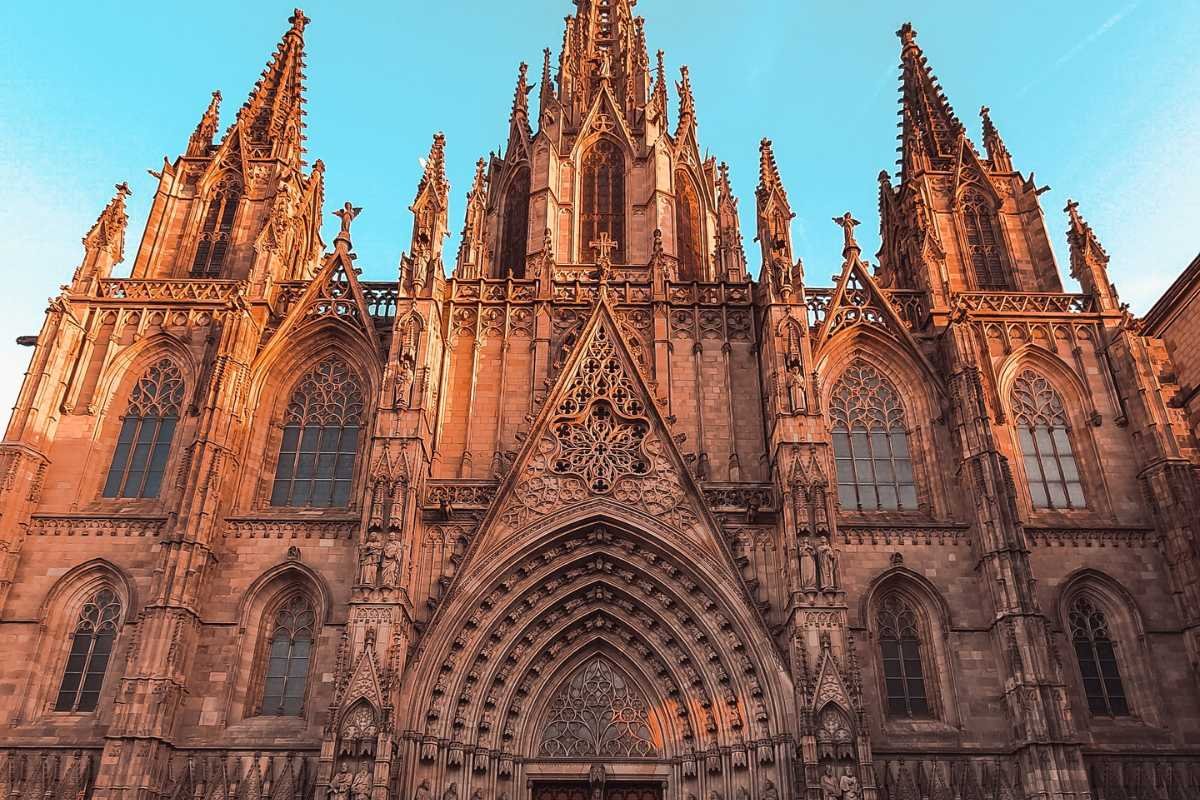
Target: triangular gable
[858,300]
[970,169]
[333,294]
[230,157]
[600,436]
[364,682]
[605,107]
[830,687]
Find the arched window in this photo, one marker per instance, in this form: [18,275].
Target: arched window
[320,439]
[900,651]
[1097,656]
[1041,423]
[983,242]
[870,442]
[216,230]
[687,229]
[91,648]
[597,713]
[288,657]
[515,240]
[603,198]
[146,432]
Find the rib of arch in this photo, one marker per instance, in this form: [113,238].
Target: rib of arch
[501,649]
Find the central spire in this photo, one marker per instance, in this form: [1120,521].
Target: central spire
[929,127]
[603,45]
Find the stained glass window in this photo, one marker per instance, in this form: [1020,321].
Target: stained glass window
[514,242]
[603,198]
[598,713]
[1097,655]
[91,648]
[900,649]
[983,243]
[147,429]
[216,229]
[870,442]
[1041,422]
[320,439]
[288,658]
[687,228]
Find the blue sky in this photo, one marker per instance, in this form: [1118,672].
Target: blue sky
[1101,99]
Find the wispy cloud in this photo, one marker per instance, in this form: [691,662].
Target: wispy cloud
[1081,45]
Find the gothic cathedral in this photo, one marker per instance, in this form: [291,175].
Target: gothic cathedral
[591,512]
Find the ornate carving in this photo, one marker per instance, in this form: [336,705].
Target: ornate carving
[597,713]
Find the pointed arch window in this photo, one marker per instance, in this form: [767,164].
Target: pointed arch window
[320,438]
[598,713]
[216,229]
[1096,652]
[688,237]
[147,429]
[1043,435]
[91,649]
[983,242]
[515,240]
[870,442]
[288,657]
[900,652]
[603,198]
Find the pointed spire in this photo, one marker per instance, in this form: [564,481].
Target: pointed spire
[471,244]
[104,243]
[1089,260]
[731,257]
[430,221]
[546,90]
[202,138]
[434,177]
[927,120]
[273,115]
[768,172]
[997,152]
[520,105]
[774,217]
[687,102]
[658,98]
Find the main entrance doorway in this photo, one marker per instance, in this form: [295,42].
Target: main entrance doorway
[611,790]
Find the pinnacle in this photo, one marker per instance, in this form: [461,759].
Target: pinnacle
[299,22]
[275,104]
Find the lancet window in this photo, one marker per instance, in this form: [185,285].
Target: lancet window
[91,649]
[514,241]
[870,442]
[288,657]
[1096,652]
[984,242]
[688,238]
[900,651]
[598,713]
[603,198]
[147,429]
[216,229]
[1041,422]
[321,428]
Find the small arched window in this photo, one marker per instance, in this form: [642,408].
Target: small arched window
[320,438]
[983,242]
[91,648]
[900,652]
[870,442]
[1096,652]
[515,240]
[603,198]
[147,429]
[216,229]
[1042,433]
[288,657]
[687,228]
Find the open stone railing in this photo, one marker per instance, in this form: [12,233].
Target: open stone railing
[188,290]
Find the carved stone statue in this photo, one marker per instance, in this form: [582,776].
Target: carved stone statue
[769,792]
[368,559]
[742,793]
[423,792]
[828,563]
[808,565]
[451,792]
[850,789]
[797,400]
[339,787]
[360,789]
[477,794]
[391,563]
[346,214]
[831,787]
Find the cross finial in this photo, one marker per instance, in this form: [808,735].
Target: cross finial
[847,223]
[346,214]
[604,246]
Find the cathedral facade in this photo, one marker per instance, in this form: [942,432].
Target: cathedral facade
[591,512]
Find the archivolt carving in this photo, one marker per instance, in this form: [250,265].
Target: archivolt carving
[598,713]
